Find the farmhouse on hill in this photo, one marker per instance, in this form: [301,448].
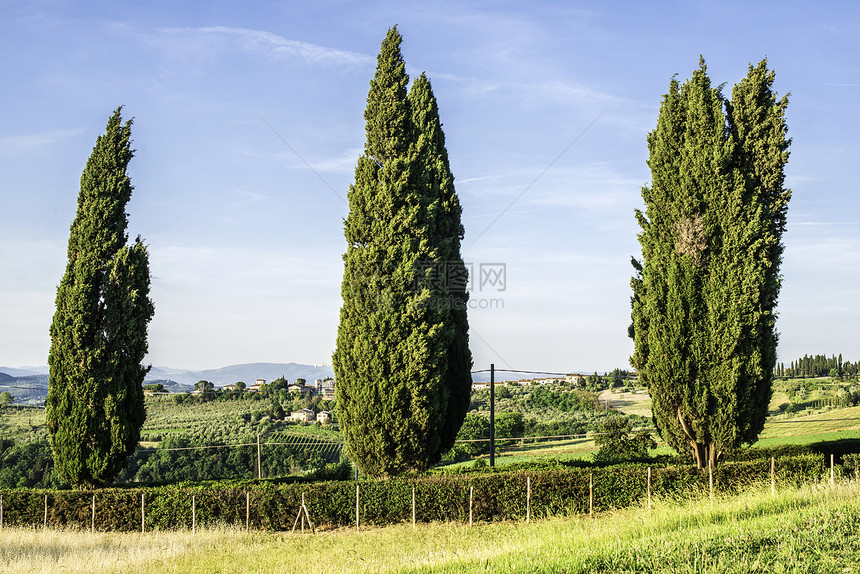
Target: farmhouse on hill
[303,415]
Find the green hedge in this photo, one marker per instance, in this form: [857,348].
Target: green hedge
[497,496]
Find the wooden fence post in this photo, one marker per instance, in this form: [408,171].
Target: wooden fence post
[45,523]
[308,514]
[142,512]
[711,481]
[773,476]
[1,511]
[247,510]
[357,521]
[471,496]
[591,494]
[528,499]
[302,515]
[93,518]
[193,514]
[649,489]
[831,469]
[413,507]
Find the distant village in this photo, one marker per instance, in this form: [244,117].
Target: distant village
[321,387]
[574,379]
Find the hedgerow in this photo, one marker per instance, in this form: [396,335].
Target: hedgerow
[495,496]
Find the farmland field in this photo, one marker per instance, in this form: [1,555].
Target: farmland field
[635,402]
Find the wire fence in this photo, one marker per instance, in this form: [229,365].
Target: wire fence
[519,496]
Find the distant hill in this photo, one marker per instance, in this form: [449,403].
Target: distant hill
[25,371]
[33,381]
[170,386]
[29,385]
[247,373]
[27,390]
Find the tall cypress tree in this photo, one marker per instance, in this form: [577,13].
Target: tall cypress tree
[95,404]
[446,277]
[402,360]
[706,289]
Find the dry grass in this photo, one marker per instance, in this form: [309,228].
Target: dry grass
[37,551]
[637,402]
[812,529]
[837,420]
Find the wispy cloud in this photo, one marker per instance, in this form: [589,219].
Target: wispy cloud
[277,47]
[342,163]
[478,178]
[34,143]
[825,223]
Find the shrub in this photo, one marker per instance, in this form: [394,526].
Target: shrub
[616,443]
[498,495]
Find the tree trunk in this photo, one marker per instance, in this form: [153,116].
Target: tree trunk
[703,453]
[699,454]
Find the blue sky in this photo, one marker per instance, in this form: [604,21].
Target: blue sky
[248,120]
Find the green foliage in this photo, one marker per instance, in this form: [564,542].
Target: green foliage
[566,401]
[551,409]
[821,366]
[402,360]
[498,496]
[6,398]
[220,421]
[595,383]
[98,336]
[851,463]
[509,425]
[476,427]
[204,387]
[27,464]
[705,292]
[177,461]
[616,444]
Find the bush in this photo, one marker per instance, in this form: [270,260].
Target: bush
[617,445]
[851,464]
[272,505]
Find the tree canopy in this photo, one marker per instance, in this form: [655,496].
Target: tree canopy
[706,287]
[95,405]
[402,359]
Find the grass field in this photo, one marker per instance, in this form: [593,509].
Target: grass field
[813,529]
[23,424]
[635,402]
[808,428]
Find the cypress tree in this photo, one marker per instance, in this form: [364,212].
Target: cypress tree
[402,360]
[705,292]
[95,404]
[445,274]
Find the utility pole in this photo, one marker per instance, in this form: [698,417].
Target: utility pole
[259,456]
[492,414]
